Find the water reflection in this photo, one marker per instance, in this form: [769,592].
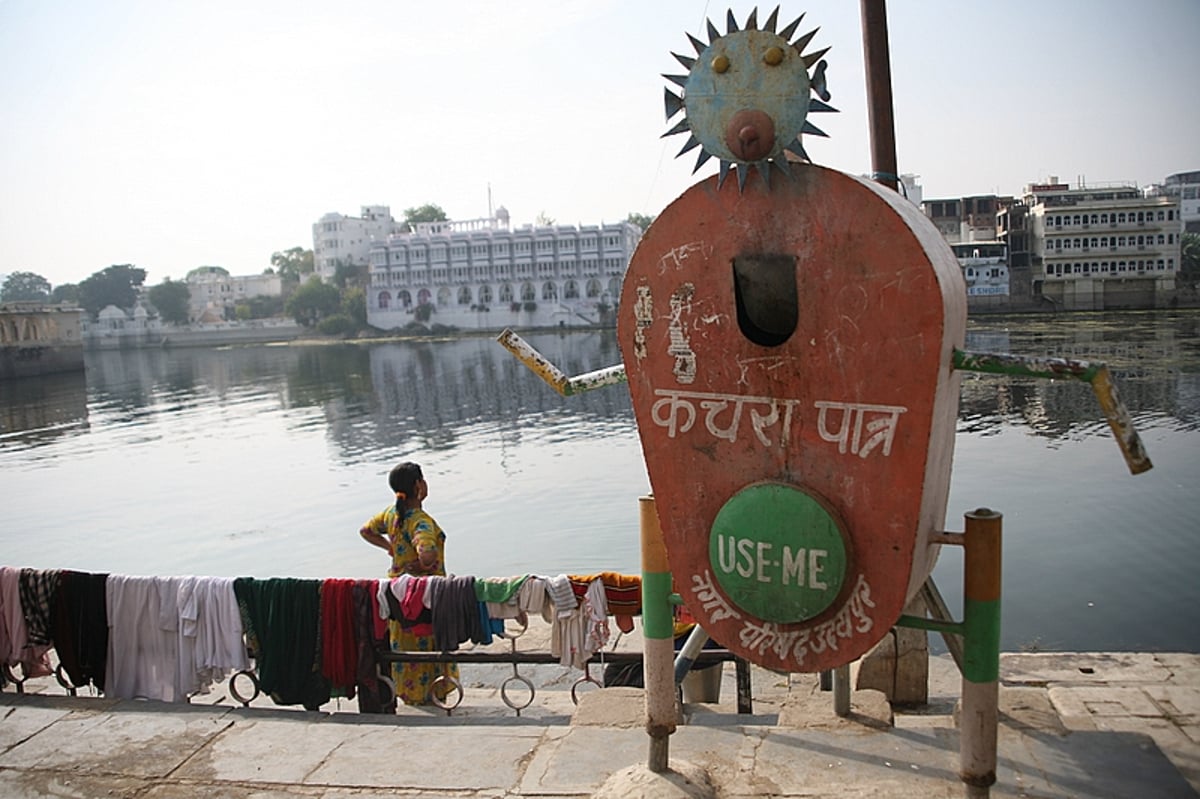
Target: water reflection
[263,460]
[426,393]
[1155,362]
[34,411]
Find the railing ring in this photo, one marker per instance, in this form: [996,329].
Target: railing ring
[390,683]
[442,702]
[586,678]
[523,620]
[509,702]
[12,678]
[64,680]
[237,696]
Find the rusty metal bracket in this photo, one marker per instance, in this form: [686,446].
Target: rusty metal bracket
[1095,374]
[558,380]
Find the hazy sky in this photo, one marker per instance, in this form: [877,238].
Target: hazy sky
[174,134]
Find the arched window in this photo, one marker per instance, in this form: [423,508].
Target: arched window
[385,300]
[528,293]
[506,293]
[485,294]
[405,299]
[464,295]
[443,296]
[424,297]
[549,291]
[593,289]
[571,290]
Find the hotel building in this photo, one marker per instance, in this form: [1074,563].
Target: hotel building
[481,274]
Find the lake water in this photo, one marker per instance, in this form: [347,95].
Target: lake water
[264,461]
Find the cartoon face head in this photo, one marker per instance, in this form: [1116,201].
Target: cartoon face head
[747,95]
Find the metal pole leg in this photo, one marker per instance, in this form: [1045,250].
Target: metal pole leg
[981,652]
[841,690]
[658,654]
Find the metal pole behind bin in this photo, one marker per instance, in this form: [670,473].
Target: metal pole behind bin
[981,652]
[658,624]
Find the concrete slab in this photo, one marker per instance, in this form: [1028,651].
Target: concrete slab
[578,760]
[1184,666]
[587,757]
[1102,701]
[42,784]
[224,790]
[137,739]
[18,722]
[1180,703]
[1028,709]
[1170,739]
[267,750]
[1081,668]
[611,707]
[871,763]
[814,710]
[1106,765]
[447,759]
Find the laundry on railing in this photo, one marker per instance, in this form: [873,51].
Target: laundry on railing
[170,638]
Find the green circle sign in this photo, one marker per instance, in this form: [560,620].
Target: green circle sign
[778,553]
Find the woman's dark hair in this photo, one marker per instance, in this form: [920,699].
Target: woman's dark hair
[403,480]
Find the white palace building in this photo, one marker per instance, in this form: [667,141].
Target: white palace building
[481,274]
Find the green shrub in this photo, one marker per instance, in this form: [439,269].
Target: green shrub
[337,325]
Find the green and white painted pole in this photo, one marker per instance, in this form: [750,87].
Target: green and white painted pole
[981,652]
[658,627]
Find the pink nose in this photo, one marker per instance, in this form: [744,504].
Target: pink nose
[750,135]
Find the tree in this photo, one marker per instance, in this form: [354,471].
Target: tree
[170,298]
[347,274]
[117,285]
[544,220]
[25,287]
[1190,268]
[258,308]
[293,264]
[66,292]
[354,305]
[641,220]
[313,301]
[424,213]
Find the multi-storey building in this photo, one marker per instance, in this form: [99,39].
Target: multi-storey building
[1184,188]
[985,269]
[965,219]
[1012,230]
[483,275]
[1102,247]
[213,294]
[347,240]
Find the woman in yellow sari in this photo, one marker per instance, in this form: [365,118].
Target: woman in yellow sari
[417,546]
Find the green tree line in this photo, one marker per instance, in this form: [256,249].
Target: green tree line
[335,308]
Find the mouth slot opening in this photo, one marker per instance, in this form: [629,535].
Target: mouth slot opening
[764,288]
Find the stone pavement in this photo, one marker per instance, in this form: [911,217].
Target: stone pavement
[1072,725]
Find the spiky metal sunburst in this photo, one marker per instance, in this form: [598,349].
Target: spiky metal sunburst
[747,95]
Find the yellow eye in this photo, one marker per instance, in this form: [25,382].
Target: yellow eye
[720,64]
[773,57]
